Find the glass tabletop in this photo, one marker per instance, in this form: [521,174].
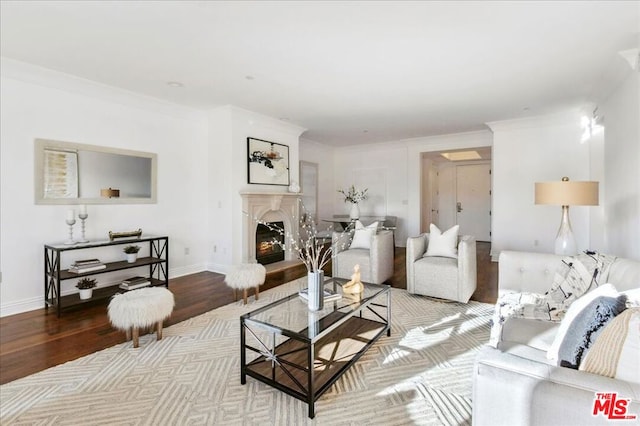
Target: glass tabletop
[291,316]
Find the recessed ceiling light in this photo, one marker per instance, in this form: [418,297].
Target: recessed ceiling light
[174,84]
[461,155]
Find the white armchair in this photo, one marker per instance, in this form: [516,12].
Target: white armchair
[376,263]
[442,277]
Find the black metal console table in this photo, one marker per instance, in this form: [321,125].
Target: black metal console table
[157,261]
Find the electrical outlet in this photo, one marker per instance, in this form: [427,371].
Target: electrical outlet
[186,251]
[215,249]
[535,243]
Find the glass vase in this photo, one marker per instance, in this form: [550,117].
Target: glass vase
[315,285]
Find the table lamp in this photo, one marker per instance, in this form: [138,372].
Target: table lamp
[566,193]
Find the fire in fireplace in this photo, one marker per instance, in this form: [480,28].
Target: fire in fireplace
[267,251]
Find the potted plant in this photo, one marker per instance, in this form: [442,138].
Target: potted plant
[86,286]
[132,252]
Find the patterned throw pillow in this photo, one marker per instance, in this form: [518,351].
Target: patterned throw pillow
[616,352]
[583,321]
[586,328]
[576,276]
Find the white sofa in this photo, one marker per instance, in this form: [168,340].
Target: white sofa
[516,384]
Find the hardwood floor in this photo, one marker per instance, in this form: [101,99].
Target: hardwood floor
[36,340]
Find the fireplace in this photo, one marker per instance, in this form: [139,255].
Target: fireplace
[282,207]
[268,250]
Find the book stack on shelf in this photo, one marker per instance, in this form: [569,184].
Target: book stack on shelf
[134,283]
[86,265]
[329,295]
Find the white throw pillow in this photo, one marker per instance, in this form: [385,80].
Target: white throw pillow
[575,308]
[444,244]
[362,235]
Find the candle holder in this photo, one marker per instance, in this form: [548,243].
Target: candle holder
[83,217]
[70,222]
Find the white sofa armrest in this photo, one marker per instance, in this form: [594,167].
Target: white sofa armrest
[509,390]
[467,262]
[416,247]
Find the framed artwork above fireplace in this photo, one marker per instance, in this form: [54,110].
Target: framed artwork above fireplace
[268,162]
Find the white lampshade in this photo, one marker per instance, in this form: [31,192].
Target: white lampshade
[566,193]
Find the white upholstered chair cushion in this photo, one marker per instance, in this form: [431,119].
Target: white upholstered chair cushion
[376,263]
[442,277]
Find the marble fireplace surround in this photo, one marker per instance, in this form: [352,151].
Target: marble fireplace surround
[269,207]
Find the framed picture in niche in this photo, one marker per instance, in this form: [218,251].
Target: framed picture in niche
[268,162]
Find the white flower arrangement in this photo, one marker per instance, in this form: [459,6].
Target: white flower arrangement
[352,195]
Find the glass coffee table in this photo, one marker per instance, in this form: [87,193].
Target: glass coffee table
[301,352]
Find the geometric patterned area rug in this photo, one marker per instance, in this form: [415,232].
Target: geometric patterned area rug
[420,375]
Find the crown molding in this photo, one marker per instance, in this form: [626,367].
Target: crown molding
[45,77]
[560,119]
[251,117]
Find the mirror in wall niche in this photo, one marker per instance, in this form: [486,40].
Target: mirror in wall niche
[74,173]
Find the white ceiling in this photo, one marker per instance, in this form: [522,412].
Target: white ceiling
[350,72]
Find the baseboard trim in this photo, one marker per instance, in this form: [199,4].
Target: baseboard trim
[21,306]
[220,268]
[34,303]
[186,270]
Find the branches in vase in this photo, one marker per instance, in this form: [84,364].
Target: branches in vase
[309,246]
[354,196]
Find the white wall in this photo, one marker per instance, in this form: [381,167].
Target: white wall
[382,168]
[219,195]
[621,113]
[36,103]
[229,128]
[322,155]
[597,229]
[528,151]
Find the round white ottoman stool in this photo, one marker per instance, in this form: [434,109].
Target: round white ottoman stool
[141,308]
[243,277]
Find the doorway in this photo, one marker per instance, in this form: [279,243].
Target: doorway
[473,200]
[456,189]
